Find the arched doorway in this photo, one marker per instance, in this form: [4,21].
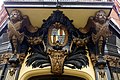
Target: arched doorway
[54,77]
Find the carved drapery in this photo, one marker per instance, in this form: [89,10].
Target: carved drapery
[101,25]
[14,27]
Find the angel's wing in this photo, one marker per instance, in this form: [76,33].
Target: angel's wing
[87,27]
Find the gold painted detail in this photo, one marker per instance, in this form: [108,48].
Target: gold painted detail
[34,40]
[57,58]
[101,70]
[16,28]
[80,42]
[4,58]
[12,71]
[21,58]
[101,25]
[113,61]
[102,73]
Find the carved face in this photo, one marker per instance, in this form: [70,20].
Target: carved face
[100,17]
[15,16]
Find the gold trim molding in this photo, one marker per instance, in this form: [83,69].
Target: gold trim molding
[46,71]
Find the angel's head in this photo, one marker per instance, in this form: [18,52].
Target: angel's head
[100,17]
[15,16]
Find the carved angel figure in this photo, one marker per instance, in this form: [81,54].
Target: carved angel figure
[98,28]
[14,27]
[19,26]
[101,25]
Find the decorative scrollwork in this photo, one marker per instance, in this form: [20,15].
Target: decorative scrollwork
[70,52]
[77,58]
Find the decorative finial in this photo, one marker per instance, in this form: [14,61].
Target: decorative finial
[58,5]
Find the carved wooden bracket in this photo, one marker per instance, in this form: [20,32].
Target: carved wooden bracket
[4,58]
[57,58]
[12,71]
[113,61]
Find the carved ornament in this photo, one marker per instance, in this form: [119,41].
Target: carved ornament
[57,58]
[5,57]
[59,47]
[101,25]
[113,61]
[80,42]
[12,71]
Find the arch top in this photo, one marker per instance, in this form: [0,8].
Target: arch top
[46,72]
